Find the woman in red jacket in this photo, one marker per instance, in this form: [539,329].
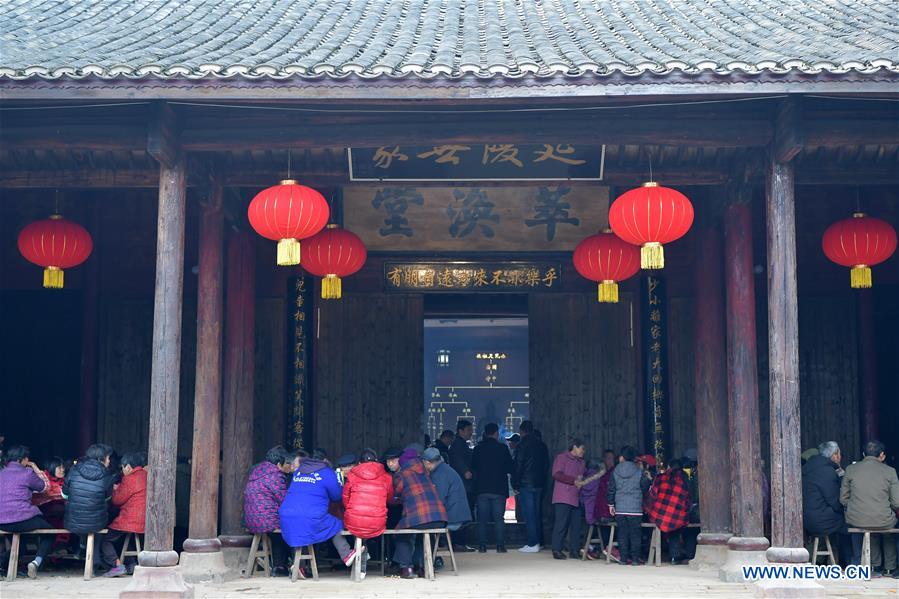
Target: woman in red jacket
[367,490]
[130,496]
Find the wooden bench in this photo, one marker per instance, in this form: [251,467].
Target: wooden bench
[866,541]
[428,549]
[655,542]
[12,568]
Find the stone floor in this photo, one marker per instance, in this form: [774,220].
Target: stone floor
[490,575]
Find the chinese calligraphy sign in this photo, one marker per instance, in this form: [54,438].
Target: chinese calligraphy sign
[655,360]
[301,304]
[462,218]
[487,277]
[477,162]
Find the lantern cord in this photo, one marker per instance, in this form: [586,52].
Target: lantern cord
[858,201]
[288,163]
[56,197]
[649,153]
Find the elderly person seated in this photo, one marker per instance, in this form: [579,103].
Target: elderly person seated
[822,513]
[870,492]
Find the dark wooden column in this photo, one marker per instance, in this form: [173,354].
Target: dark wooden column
[87,410]
[867,365]
[711,389]
[166,366]
[742,373]
[237,407]
[783,366]
[204,482]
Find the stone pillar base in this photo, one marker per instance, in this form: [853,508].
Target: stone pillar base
[709,557]
[788,588]
[235,552]
[157,583]
[743,551]
[203,567]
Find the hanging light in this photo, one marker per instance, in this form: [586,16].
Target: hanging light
[859,242]
[606,259]
[287,213]
[332,254]
[56,244]
[650,216]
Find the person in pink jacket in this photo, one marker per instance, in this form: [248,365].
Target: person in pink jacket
[568,476]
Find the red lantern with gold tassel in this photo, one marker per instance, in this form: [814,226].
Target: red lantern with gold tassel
[650,216]
[606,259]
[859,242]
[56,244]
[287,213]
[332,254]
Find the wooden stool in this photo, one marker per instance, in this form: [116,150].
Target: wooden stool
[612,543]
[655,544]
[260,555]
[590,538]
[449,544]
[298,556]
[829,553]
[125,552]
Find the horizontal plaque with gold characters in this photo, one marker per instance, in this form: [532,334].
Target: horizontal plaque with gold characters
[472,277]
[541,218]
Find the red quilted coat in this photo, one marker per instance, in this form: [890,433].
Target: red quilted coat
[131,497]
[365,495]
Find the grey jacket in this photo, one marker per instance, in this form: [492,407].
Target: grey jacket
[870,492]
[626,489]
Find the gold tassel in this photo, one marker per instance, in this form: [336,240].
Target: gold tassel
[860,277]
[608,292]
[288,252]
[652,256]
[331,287]
[53,277]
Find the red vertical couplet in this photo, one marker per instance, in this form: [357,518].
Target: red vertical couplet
[237,406]
[783,367]
[204,488]
[166,366]
[711,386]
[742,374]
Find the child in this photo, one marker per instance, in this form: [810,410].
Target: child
[625,497]
[130,496]
[19,479]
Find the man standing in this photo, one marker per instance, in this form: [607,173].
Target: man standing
[443,442]
[568,469]
[870,492]
[492,464]
[460,455]
[822,513]
[529,474]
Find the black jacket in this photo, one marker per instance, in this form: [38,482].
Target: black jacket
[822,512]
[460,460]
[531,467]
[491,464]
[443,449]
[88,486]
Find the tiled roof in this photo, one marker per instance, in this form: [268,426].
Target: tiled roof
[442,38]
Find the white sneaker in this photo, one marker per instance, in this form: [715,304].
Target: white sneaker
[530,549]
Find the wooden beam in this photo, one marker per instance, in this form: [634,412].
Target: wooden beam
[788,129]
[850,132]
[783,367]
[163,134]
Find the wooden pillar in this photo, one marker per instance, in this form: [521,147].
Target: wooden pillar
[867,365]
[783,367]
[204,482]
[237,408]
[711,391]
[87,410]
[166,366]
[742,374]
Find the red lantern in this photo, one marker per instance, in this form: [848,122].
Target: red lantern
[606,259]
[332,254]
[859,242]
[55,244]
[287,213]
[650,216]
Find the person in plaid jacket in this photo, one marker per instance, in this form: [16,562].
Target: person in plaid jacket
[670,510]
[422,508]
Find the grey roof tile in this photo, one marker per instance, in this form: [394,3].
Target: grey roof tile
[441,38]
